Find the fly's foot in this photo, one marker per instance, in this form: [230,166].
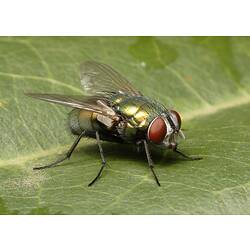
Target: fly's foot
[52,164]
[194,158]
[190,158]
[99,174]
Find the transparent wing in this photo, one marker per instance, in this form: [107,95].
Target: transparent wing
[99,78]
[95,104]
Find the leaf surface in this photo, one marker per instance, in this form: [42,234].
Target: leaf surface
[206,79]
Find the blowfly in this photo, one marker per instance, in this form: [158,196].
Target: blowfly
[113,110]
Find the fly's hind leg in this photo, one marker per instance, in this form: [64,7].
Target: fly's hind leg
[67,156]
[102,158]
[186,156]
[150,162]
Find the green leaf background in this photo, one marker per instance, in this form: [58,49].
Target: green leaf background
[207,79]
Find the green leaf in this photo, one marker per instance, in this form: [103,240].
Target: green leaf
[207,79]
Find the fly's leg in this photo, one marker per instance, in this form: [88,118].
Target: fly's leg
[67,156]
[150,162]
[186,156]
[138,146]
[102,158]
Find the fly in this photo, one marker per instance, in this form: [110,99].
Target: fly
[113,110]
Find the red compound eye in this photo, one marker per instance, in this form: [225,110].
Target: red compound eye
[157,130]
[177,118]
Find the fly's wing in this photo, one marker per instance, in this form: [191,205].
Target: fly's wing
[100,81]
[95,104]
[99,78]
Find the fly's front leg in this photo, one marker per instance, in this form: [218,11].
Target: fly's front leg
[150,162]
[186,156]
[67,156]
[102,158]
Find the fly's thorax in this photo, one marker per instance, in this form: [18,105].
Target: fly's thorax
[136,110]
[137,113]
[117,98]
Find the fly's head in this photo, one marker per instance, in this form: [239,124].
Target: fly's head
[166,129]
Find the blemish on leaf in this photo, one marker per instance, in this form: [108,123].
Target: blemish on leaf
[188,78]
[32,180]
[2,104]
[152,53]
